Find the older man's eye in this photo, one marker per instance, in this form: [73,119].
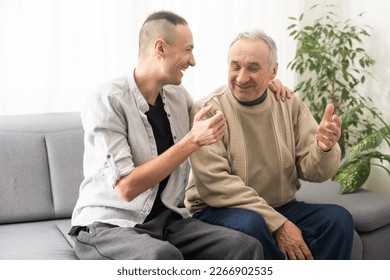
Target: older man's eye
[254,68]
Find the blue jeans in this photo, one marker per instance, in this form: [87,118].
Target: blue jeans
[326,228]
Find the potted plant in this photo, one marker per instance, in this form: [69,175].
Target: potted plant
[331,65]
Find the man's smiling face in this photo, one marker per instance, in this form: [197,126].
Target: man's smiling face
[249,69]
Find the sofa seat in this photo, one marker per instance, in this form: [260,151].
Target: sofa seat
[370,211]
[36,241]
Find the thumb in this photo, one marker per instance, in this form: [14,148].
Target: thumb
[328,112]
[203,112]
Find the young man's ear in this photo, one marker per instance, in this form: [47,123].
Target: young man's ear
[159,47]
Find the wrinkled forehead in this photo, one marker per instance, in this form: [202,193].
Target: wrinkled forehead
[248,51]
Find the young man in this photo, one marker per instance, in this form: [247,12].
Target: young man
[247,180]
[137,141]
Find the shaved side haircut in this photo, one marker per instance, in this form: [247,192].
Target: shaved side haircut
[159,25]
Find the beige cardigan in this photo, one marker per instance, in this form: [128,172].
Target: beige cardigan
[257,165]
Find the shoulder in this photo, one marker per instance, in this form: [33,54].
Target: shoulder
[106,100]
[296,106]
[107,93]
[213,98]
[114,87]
[178,94]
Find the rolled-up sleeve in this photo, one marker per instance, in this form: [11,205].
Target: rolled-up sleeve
[106,134]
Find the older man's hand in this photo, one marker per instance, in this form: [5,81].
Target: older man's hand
[329,130]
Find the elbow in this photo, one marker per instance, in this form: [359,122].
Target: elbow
[123,194]
[124,190]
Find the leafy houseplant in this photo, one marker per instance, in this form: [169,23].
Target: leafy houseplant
[331,65]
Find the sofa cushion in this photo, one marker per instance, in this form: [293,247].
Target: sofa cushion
[376,244]
[34,240]
[64,225]
[370,210]
[40,123]
[65,153]
[24,178]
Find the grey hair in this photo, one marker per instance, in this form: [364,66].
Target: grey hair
[260,35]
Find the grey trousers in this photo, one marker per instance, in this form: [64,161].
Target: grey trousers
[166,237]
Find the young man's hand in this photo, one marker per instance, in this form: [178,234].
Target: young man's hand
[281,92]
[206,131]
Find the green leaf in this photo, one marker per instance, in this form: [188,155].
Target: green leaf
[361,62]
[353,176]
[349,115]
[291,26]
[369,142]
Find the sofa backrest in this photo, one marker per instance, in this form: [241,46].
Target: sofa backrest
[40,166]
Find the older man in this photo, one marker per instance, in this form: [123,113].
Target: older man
[247,180]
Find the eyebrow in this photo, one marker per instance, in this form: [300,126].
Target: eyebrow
[256,64]
[251,64]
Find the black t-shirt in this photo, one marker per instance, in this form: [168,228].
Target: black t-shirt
[158,119]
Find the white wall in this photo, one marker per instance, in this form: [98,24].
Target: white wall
[53,53]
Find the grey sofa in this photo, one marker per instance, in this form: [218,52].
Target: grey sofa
[41,170]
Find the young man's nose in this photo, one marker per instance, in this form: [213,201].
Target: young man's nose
[192,61]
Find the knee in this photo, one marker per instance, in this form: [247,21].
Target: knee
[166,251]
[245,246]
[251,223]
[341,219]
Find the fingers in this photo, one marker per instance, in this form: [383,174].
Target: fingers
[337,120]
[301,252]
[208,130]
[218,124]
[277,88]
[286,93]
[329,129]
[273,88]
[328,112]
[202,113]
[306,252]
[290,240]
[281,92]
